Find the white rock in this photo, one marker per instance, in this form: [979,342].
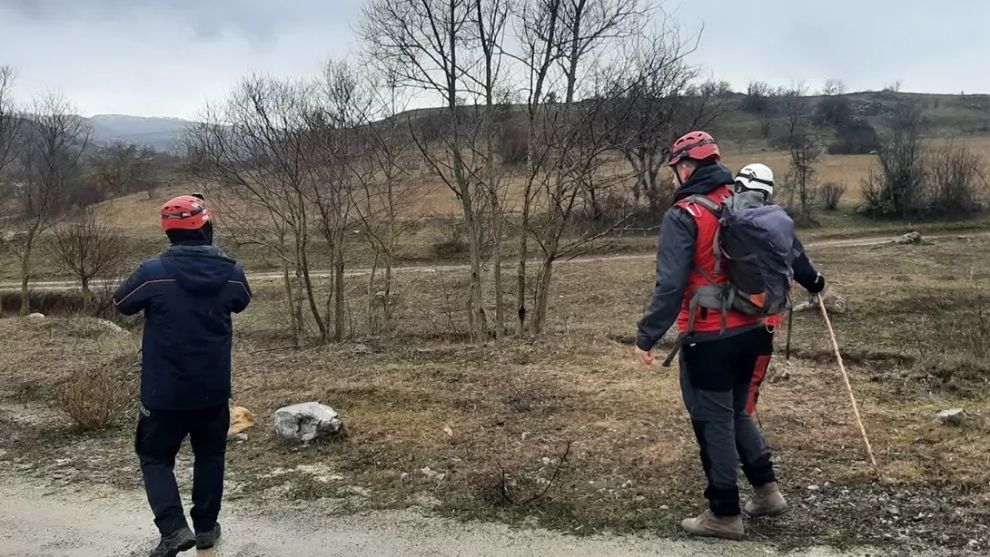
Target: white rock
[909,238]
[431,474]
[813,487]
[36,316]
[952,416]
[307,422]
[111,326]
[361,349]
[833,304]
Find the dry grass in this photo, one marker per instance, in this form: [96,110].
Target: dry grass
[140,213]
[476,414]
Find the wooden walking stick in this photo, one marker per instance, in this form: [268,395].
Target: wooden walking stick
[845,376]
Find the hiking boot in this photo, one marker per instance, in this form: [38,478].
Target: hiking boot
[707,524]
[767,501]
[208,539]
[176,542]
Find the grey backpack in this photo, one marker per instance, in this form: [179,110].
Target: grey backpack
[754,248]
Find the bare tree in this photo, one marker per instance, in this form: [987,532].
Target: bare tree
[122,168]
[487,26]
[10,122]
[252,155]
[567,139]
[89,249]
[431,45]
[384,192]
[10,128]
[538,31]
[339,164]
[834,87]
[896,188]
[654,103]
[55,139]
[804,147]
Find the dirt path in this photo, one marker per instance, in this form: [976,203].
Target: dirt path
[36,522]
[59,285]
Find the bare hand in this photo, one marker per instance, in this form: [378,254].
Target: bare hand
[645,357]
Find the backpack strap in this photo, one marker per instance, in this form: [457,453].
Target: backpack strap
[704,201]
[715,209]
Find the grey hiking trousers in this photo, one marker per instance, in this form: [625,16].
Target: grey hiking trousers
[716,378]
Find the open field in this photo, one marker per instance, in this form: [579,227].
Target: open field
[141,212]
[440,424]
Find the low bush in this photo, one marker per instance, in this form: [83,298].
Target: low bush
[831,194]
[98,398]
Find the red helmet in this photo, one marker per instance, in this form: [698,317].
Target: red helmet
[697,145]
[185,212]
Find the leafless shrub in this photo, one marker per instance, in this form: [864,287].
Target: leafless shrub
[957,181]
[896,187]
[831,194]
[526,488]
[89,249]
[97,398]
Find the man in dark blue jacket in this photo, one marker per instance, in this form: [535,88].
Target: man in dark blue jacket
[187,295]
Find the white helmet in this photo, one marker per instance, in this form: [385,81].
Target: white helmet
[756,177]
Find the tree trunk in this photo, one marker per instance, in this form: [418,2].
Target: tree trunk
[499,296]
[372,297]
[521,268]
[87,296]
[387,306]
[339,307]
[302,247]
[543,281]
[26,273]
[294,326]
[311,296]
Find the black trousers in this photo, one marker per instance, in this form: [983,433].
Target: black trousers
[159,435]
[716,378]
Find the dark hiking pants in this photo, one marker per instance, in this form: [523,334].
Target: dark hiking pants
[159,435]
[716,380]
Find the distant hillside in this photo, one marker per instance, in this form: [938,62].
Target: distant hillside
[163,134]
[945,116]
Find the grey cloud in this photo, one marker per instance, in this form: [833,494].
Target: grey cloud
[208,19]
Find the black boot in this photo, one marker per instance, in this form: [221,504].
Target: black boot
[206,540]
[171,545]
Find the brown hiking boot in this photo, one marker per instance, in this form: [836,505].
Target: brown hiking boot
[707,524]
[767,501]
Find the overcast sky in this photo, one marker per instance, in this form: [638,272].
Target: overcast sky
[166,57]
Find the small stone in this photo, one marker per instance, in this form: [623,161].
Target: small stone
[448,431]
[813,487]
[36,316]
[952,416]
[241,437]
[664,507]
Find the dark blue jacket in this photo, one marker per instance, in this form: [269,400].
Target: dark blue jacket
[675,257]
[187,295]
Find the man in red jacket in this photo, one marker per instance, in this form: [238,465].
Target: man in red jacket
[719,352]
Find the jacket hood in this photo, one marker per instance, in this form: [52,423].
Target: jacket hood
[199,269]
[705,180]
